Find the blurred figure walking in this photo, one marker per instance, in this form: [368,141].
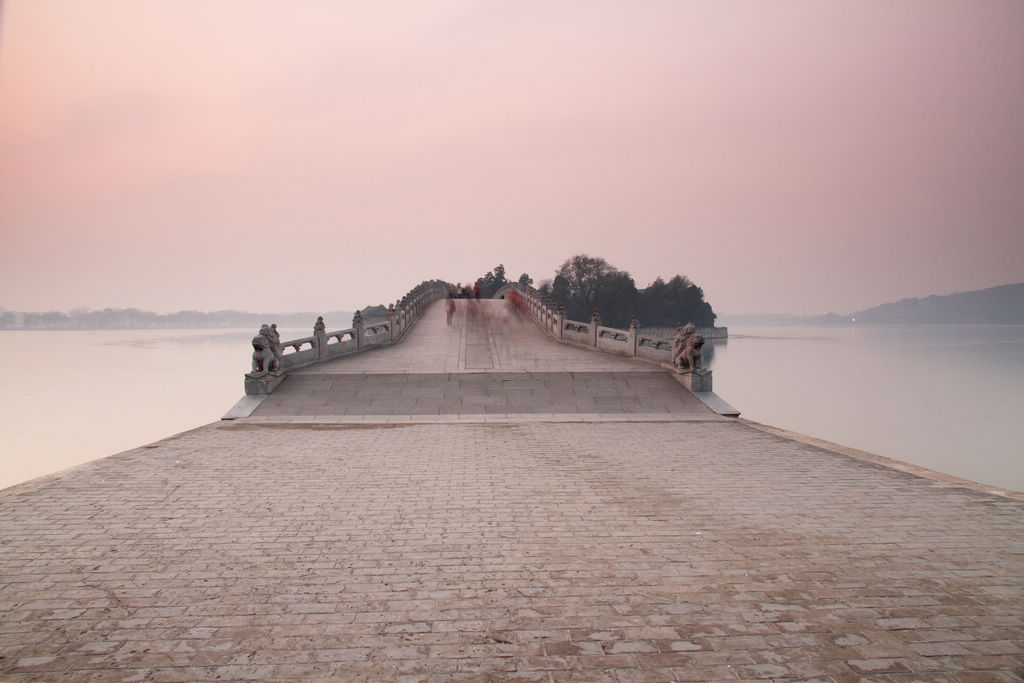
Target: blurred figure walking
[449,307]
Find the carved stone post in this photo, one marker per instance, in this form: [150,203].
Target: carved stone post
[595,320]
[403,315]
[634,324]
[320,334]
[392,319]
[357,324]
[561,322]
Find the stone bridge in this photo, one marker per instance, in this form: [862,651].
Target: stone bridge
[494,360]
[489,500]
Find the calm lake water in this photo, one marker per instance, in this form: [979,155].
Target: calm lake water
[944,397]
[70,396]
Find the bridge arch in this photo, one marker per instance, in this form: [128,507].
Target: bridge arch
[503,291]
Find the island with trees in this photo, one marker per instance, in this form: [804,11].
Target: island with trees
[584,284]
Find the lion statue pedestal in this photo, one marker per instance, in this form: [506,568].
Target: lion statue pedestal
[692,380]
[258,386]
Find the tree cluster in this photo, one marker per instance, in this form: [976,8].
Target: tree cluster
[372,314]
[584,284]
[495,280]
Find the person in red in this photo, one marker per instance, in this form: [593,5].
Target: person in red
[476,290]
[515,303]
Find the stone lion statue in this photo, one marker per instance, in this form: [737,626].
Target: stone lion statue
[691,357]
[683,334]
[265,358]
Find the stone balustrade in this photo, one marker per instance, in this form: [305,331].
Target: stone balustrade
[293,354]
[631,343]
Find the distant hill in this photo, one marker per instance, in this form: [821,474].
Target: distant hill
[1002,305]
[760,319]
[994,306]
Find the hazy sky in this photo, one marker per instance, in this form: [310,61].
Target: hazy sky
[318,155]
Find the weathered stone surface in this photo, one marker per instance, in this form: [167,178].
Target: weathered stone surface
[258,386]
[596,550]
[716,403]
[692,380]
[500,393]
[244,406]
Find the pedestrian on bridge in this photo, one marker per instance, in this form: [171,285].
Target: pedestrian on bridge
[449,307]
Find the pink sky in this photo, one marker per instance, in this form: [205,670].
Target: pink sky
[788,156]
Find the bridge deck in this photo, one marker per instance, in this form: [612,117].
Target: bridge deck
[488,362]
[616,546]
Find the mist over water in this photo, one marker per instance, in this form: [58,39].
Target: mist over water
[944,397]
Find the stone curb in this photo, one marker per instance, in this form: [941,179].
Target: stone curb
[882,460]
[475,418]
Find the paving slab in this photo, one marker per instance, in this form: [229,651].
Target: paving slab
[456,393]
[674,550]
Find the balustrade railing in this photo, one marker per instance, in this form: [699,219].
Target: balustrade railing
[273,358]
[653,346]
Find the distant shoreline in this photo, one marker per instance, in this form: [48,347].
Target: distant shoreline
[135,319]
[777,322]
[1002,305]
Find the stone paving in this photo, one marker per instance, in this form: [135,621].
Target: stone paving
[484,393]
[561,546]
